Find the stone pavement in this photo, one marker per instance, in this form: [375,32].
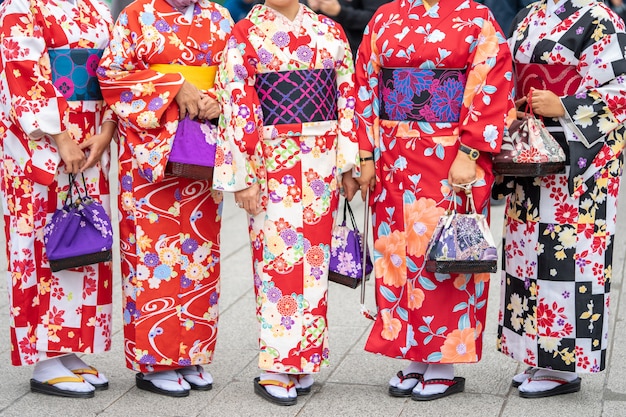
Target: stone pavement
[354,385]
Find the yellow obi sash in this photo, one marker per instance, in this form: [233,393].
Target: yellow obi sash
[201,77]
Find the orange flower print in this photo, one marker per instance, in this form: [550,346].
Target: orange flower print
[459,346]
[476,80]
[416,297]
[391,266]
[391,325]
[420,219]
[487,45]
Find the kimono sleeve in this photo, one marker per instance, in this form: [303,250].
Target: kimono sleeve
[36,104]
[347,145]
[601,108]
[367,68]
[239,127]
[488,104]
[142,98]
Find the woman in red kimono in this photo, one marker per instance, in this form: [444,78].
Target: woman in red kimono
[434,82]
[158,69]
[53,121]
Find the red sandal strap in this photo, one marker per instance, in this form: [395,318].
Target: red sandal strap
[446,382]
[410,375]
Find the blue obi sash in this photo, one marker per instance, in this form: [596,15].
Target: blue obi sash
[298,96]
[74,72]
[421,95]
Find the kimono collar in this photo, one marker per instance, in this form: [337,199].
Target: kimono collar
[551,6]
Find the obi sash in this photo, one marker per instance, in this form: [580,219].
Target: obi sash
[298,96]
[74,72]
[562,80]
[421,95]
[202,77]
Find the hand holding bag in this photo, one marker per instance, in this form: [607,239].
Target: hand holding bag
[80,233]
[346,253]
[462,243]
[529,150]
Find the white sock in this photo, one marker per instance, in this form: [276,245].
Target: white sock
[413,367]
[532,385]
[302,380]
[73,362]
[196,375]
[278,392]
[168,380]
[523,376]
[48,369]
[435,371]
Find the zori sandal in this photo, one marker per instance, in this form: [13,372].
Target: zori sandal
[454,386]
[48,387]
[405,392]
[259,389]
[564,387]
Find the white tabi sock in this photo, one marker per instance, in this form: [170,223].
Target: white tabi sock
[197,375]
[48,369]
[73,362]
[278,392]
[435,372]
[408,383]
[302,381]
[168,380]
[531,385]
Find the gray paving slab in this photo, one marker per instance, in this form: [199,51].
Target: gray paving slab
[356,382]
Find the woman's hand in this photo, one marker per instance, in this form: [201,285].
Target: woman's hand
[188,99]
[73,157]
[349,185]
[209,108]
[97,144]
[462,171]
[249,199]
[367,180]
[546,103]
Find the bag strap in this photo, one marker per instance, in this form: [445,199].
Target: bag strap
[364,310]
[74,186]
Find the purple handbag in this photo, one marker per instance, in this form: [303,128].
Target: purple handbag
[461,243]
[193,150]
[80,233]
[346,253]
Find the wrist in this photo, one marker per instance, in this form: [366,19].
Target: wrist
[471,153]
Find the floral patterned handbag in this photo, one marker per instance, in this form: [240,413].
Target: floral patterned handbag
[529,150]
[346,253]
[462,243]
[80,233]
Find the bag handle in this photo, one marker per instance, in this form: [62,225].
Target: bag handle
[364,310]
[75,186]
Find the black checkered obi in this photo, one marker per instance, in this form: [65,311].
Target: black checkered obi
[299,96]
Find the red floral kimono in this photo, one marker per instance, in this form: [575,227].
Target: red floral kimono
[169,226]
[463,65]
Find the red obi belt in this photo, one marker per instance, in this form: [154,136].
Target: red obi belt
[562,80]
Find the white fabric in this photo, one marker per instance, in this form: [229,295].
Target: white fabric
[435,372]
[278,392]
[168,380]
[73,362]
[53,368]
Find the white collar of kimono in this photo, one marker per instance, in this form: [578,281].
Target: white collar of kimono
[553,5]
[189,12]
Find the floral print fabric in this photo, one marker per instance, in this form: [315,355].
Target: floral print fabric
[559,229]
[422,316]
[169,226]
[68,310]
[297,166]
